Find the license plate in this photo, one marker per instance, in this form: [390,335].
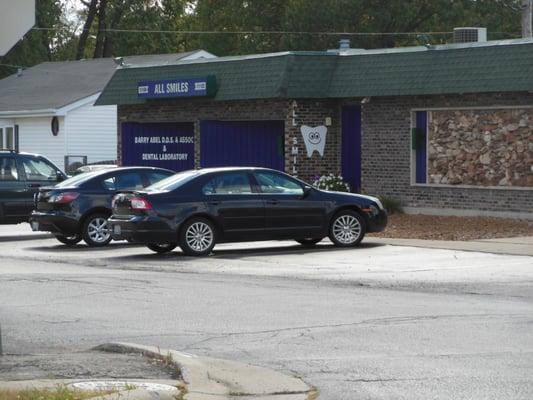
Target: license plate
[117,230]
[34,226]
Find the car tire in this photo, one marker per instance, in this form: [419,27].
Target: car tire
[162,247]
[308,242]
[96,231]
[347,229]
[69,240]
[197,237]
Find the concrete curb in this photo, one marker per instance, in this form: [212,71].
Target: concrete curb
[130,394]
[28,236]
[492,246]
[210,378]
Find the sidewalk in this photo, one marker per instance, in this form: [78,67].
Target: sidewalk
[519,246]
[22,231]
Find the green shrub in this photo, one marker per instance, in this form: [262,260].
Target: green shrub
[391,204]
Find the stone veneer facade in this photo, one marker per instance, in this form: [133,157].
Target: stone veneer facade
[386,159]
[387,167]
[483,147]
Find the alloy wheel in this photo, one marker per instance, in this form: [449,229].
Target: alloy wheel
[98,230]
[199,236]
[347,229]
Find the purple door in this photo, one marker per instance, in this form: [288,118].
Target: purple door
[242,143]
[351,146]
[164,145]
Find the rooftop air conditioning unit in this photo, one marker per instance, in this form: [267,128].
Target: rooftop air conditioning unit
[467,35]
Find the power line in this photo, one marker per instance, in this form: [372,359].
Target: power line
[257,32]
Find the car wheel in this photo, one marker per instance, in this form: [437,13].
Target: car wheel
[197,237]
[96,230]
[347,229]
[69,240]
[161,248]
[309,241]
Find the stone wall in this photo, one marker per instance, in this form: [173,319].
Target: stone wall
[387,164]
[489,147]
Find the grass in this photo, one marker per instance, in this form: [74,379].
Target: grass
[58,393]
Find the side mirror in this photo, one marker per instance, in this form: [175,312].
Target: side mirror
[59,176]
[307,191]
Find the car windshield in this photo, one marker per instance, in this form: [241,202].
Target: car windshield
[172,182]
[77,180]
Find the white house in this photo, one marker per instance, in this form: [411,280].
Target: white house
[48,109]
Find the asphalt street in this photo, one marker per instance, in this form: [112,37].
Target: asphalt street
[376,322]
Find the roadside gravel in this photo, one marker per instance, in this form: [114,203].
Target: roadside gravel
[83,365]
[408,226]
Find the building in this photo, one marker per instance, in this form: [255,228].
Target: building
[48,109]
[446,129]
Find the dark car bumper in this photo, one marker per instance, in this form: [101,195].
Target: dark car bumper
[142,229]
[57,222]
[377,222]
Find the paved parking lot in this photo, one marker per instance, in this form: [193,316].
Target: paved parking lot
[377,322]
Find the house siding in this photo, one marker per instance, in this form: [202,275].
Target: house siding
[35,136]
[91,132]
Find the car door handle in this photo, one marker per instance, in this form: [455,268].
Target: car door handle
[272,202]
[214,203]
[34,185]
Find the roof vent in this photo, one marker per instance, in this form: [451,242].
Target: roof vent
[468,35]
[344,44]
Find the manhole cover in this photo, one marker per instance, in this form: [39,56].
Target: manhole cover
[122,385]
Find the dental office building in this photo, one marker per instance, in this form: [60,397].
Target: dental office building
[446,129]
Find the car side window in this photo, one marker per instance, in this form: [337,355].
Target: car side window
[271,183]
[154,177]
[38,170]
[110,183]
[129,181]
[8,169]
[230,183]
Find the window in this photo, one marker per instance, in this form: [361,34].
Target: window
[7,138]
[39,170]
[231,183]
[277,184]
[8,169]
[173,182]
[127,181]
[154,177]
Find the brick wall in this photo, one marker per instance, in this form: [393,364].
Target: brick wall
[386,155]
[312,113]
[194,110]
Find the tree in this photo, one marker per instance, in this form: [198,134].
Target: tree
[527,6]
[39,44]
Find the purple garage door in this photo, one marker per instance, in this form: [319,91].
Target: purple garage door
[164,145]
[351,146]
[242,143]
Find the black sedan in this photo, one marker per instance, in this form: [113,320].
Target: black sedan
[78,207]
[196,209]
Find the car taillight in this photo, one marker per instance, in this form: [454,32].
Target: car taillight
[138,203]
[66,197]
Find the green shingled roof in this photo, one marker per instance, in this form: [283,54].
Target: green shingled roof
[491,67]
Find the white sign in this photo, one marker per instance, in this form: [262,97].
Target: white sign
[314,139]
[16,18]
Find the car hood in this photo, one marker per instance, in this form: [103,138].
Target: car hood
[364,197]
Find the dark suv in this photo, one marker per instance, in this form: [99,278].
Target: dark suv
[21,175]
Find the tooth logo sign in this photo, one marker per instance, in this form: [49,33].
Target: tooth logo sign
[314,139]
